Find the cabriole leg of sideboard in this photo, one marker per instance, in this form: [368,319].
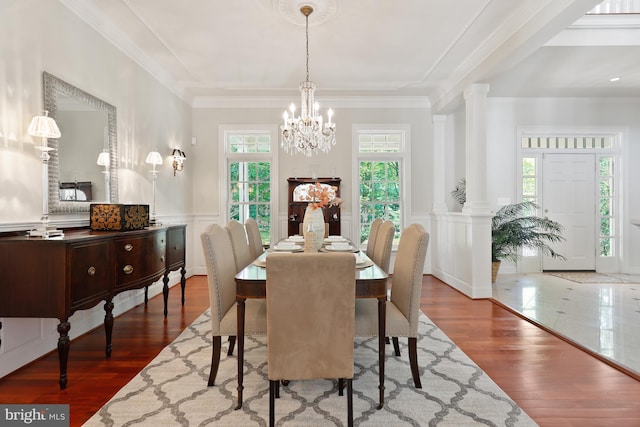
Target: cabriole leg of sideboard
[63,350]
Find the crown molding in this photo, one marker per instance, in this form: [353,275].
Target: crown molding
[333,101]
[498,100]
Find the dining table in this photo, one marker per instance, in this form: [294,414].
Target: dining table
[371,282]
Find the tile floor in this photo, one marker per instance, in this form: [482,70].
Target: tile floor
[605,318]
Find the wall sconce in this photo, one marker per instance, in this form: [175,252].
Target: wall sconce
[44,127]
[178,160]
[154,158]
[105,160]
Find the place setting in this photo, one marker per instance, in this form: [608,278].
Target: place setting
[287,246]
[295,239]
[338,244]
[362,261]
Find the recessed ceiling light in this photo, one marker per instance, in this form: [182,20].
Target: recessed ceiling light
[614,79]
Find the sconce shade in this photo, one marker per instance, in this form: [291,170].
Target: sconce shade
[178,154]
[103,158]
[154,158]
[44,126]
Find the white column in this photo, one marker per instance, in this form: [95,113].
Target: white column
[476,149]
[439,163]
[476,207]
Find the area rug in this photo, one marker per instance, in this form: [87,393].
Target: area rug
[589,277]
[172,390]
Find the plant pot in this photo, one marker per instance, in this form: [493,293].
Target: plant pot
[495,266]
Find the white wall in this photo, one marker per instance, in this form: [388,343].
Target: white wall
[42,36]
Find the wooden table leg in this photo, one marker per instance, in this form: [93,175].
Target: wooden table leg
[382,323]
[240,341]
[63,351]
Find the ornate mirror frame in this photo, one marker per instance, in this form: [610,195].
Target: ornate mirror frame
[51,86]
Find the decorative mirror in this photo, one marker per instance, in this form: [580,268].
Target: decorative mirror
[88,127]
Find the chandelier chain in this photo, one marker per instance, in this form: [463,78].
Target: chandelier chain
[307,134]
[307,33]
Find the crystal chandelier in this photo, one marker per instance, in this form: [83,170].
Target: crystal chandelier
[307,134]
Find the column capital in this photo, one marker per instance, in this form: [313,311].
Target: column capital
[476,89]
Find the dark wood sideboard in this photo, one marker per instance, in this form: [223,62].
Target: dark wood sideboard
[297,208]
[53,278]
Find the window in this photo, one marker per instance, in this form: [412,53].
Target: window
[382,168]
[530,192]
[606,204]
[249,165]
[529,179]
[573,143]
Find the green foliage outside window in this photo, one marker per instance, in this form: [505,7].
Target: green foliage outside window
[379,195]
[250,194]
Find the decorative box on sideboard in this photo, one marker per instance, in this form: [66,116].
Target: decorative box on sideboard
[118,217]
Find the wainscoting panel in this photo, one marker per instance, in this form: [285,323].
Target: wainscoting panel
[461,252]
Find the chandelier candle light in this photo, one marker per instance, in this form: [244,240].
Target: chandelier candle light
[307,133]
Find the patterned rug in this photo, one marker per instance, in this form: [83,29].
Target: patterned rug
[589,277]
[172,390]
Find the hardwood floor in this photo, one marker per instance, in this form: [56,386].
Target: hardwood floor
[554,382]
[138,336]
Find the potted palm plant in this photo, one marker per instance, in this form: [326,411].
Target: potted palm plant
[514,227]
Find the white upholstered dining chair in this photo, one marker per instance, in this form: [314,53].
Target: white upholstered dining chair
[240,244]
[253,235]
[384,244]
[310,324]
[221,269]
[403,309]
[373,233]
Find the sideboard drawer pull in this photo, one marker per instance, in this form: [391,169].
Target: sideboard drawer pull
[128,269]
[162,258]
[128,247]
[91,271]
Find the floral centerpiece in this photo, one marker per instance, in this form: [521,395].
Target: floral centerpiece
[322,196]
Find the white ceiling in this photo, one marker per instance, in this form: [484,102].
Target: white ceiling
[217,49]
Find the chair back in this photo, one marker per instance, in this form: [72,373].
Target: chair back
[373,232]
[384,243]
[253,235]
[310,315]
[406,284]
[221,269]
[240,244]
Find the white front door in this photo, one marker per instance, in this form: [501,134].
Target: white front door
[568,197]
